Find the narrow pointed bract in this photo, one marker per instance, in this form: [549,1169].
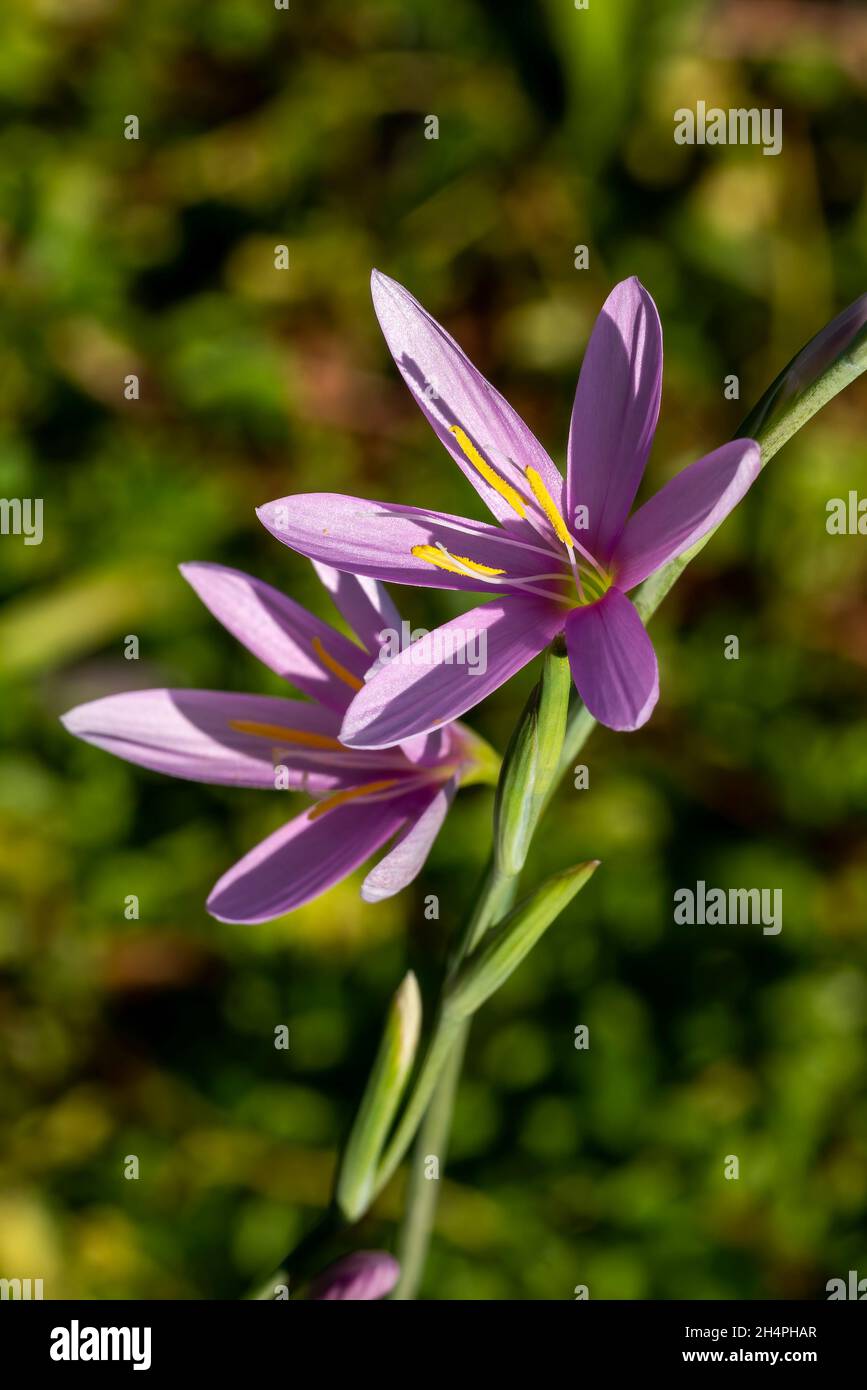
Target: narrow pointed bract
[560,555]
[503,950]
[385,1086]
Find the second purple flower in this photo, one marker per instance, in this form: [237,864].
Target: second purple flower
[363,800]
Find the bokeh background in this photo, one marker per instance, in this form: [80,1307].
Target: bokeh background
[155,1037]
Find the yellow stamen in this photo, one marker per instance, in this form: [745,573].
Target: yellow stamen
[278,734]
[549,506]
[335,667]
[351,794]
[482,466]
[435,556]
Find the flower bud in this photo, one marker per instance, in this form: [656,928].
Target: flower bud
[364,1275]
[381,1098]
[829,361]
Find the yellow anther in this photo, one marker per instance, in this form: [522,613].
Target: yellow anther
[467,447]
[455,564]
[351,794]
[278,734]
[335,667]
[549,506]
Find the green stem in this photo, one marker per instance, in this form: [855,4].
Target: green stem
[422,1191]
[492,904]
[494,901]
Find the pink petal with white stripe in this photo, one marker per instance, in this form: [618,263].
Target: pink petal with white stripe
[405,860]
[613,662]
[194,734]
[304,858]
[614,415]
[364,603]
[451,391]
[379,539]
[695,501]
[421,689]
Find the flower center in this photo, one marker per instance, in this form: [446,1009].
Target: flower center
[594,585]
[591,580]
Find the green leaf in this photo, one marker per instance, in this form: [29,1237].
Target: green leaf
[504,949]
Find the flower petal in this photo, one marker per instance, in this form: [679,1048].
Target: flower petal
[613,662]
[378,538]
[305,857]
[421,689]
[193,734]
[426,750]
[364,1275]
[450,391]
[364,603]
[312,655]
[407,855]
[614,414]
[694,501]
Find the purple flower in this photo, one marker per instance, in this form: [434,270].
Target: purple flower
[363,799]
[363,1275]
[564,554]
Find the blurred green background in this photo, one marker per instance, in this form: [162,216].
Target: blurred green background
[155,256]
